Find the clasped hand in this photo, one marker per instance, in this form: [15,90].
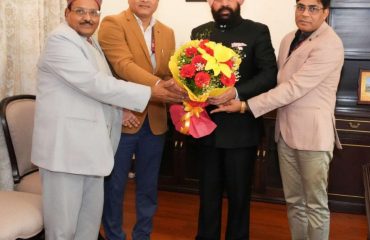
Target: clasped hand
[129,119]
[168,91]
[223,98]
[229,107]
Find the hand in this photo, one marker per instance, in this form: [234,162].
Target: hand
[129,119]
[223,98]
[231,106]
[175,88]
[166,91]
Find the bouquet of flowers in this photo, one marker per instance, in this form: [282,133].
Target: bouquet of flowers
[204,68]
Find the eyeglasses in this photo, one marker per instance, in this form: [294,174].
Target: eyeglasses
[312,9]
[82,12]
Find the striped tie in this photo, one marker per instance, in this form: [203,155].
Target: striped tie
[89,40]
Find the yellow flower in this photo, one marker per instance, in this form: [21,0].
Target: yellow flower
[217,63]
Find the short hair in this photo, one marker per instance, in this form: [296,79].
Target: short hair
[325,3]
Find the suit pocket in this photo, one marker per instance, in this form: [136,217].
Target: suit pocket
[82,111]
[80,126]
[84,146]
[300,124]
[79,135]
[325,130]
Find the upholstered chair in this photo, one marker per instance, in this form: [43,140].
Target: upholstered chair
[20,210]
[17,117]
[21,216]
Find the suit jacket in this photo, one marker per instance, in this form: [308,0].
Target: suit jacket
[306,91]
[124,46]
[71,132]
[257,75]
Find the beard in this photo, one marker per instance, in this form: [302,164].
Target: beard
[221,17]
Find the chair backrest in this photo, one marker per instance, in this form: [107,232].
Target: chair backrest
[17,118]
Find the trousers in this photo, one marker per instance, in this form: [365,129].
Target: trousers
[72,205]
[305,180]
[227,170]
[148,150]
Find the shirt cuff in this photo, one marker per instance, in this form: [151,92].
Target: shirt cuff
[236,94]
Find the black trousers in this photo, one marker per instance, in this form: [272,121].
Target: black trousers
[230,170]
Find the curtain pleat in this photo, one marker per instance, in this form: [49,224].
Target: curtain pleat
[24,26]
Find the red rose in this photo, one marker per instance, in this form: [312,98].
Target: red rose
[198,60]
[191,51]
[228,81]
[187,71]
[202,79]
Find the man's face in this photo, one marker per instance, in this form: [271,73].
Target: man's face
[143,8]
[310,14]
[225,11]
[83,16]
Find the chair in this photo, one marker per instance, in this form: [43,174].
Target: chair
[21,216]
[17,117]
[20,210]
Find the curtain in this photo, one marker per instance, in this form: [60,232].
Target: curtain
[24,25]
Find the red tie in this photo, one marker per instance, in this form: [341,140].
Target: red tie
[89,40]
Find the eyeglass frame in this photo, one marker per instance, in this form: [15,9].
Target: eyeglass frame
[311,9]
[81,12]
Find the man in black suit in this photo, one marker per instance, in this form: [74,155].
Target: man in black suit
[229,153]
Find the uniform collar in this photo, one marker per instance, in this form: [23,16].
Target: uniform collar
[227,26]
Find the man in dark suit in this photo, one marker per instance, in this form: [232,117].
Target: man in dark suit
[229,153]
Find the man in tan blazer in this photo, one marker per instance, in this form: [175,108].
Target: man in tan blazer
[138,48]
[310,62]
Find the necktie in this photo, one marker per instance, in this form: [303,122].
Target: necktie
[89,40]
[298,40]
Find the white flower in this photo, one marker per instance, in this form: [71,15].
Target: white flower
[238,45]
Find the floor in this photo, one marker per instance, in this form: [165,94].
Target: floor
[176,219]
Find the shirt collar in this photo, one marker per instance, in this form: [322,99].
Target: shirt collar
[302,35]
[151,24]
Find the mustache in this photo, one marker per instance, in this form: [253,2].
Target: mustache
[224,8]
[90,22]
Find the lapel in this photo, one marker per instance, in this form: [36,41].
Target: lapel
[96,46]
[100,51]
[90,55]
[81,42]
[304,45]
[284,51]
[134,27]
[158,45]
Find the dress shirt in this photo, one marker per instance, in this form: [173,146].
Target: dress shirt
[300,37]
[148,34]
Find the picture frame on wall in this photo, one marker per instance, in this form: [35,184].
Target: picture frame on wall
[364,87]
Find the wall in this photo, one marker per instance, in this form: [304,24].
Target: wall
[183,16]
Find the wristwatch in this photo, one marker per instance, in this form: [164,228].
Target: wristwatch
[243,107]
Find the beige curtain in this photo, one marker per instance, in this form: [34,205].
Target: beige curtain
[24,25]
